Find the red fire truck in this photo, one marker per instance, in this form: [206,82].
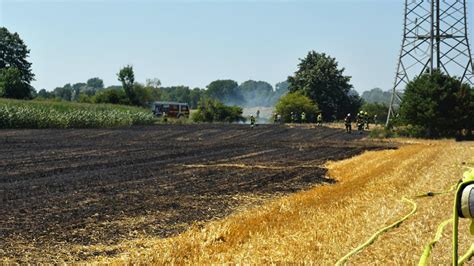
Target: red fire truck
[171,109]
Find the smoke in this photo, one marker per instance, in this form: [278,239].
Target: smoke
[251,94]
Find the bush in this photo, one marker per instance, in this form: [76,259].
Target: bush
[437,105]
[112,96]
[297,103]
[210,110]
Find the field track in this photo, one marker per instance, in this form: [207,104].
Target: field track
[64,190]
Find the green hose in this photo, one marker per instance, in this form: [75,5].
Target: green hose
[468,179]
[374,236]
[427,251]
[467,256]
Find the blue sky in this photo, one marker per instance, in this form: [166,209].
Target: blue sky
[195,42]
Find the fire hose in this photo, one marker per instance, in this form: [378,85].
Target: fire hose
[463,207]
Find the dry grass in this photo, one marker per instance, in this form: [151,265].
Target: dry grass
[323,224]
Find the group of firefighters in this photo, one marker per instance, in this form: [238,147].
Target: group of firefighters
[362,120]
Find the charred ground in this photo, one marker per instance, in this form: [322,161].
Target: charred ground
[63,189]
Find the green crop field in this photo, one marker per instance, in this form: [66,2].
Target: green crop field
[50,114]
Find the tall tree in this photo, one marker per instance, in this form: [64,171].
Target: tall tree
[319,77]
[45,94]
[12,85]
[438,104]
[127,77]
[225,91]
[256,93]
[95,83]
[154,83]
[377,95]
[14,53]
[66,92]
[195,96]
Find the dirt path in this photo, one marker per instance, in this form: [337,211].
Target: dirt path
[323,224]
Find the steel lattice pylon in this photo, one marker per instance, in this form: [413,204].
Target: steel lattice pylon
[435,37]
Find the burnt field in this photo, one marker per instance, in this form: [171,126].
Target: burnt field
[61,190]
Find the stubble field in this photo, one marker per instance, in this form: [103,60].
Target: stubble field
[64,192]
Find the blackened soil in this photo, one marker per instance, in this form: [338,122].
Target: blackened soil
[62,188]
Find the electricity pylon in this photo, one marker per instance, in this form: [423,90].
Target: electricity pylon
[435,36]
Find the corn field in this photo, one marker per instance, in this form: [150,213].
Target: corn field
[43,114]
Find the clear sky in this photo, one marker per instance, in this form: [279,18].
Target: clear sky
[195,42]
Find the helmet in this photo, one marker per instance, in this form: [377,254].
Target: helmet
[349,114]
[366,113]
[361,112]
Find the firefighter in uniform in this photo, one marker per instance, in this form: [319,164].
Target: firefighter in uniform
[164,117]
[319,119]
[348,123]
[360,121]
[252,121]
[303,117]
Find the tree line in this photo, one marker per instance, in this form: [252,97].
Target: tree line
[248,94]
[433,104]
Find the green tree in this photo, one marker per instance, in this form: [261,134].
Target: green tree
[112,95]
[64,93]
[178,94]
[127,77]
[154,83]
[256,93]
[14,54]
[379,109]
[45,94]
[211,110]
[438,104]
[143,94]
[195,95]
[225,91]
[296,103]
[95,83]
[377,95]
[12,84]
[350,104]
[281,88]
[77,88]
[319,77]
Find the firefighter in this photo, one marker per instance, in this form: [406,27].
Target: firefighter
[252,121]
[348,123]
[319,119]
[303,117]
[376,120]
[366,120]
[165,117]
[360,122]
[275,118]
[292,117]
